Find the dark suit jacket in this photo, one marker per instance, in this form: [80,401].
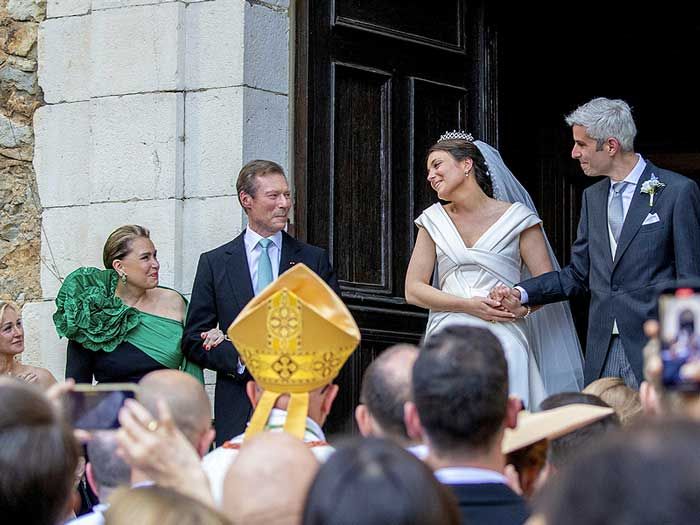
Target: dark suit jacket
[648,257]
[221,289]
[490,503]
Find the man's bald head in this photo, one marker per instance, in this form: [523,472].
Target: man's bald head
[184,395]
[386,387]
[268,481]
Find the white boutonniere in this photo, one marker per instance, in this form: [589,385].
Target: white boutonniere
[651,186]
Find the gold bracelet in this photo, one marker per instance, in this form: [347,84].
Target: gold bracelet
[529,311]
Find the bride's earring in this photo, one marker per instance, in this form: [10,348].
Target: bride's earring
[124,278]
[466,174]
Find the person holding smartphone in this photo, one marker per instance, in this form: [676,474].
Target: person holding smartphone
[119,322]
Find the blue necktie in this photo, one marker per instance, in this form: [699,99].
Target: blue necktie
[264,266]
[616,212]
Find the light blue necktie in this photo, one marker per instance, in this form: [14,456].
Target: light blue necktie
[264,266]
[616,212]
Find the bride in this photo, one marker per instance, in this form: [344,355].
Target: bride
[489,234]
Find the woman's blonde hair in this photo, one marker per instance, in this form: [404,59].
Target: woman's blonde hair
[118,243]
[156,505]
[618,395]
[4,305]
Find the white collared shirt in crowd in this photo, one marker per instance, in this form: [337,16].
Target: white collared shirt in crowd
[468,476]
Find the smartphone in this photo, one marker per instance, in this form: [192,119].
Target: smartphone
[679,319]
[96,407]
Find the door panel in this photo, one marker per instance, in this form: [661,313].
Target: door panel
[381,82]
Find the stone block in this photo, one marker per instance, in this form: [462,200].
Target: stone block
[62,154]
[42,346]
[162,217]
[18,79]
[266,48]
[21,37]
[137,147]
[13,134]
[207,223]
[64,59]
[137,50]
[64,246]
[213,127]
[59,8]
[112,4]
[25,9]
[266,130]
[215,41]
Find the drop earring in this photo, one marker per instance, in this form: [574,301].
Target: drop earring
[123,278]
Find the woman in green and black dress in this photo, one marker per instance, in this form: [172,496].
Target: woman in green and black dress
[119,323]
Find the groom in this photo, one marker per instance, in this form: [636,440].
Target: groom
[639,230]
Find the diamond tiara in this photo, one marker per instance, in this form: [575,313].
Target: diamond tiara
[454,134]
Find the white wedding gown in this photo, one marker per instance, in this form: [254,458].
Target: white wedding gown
[472,272]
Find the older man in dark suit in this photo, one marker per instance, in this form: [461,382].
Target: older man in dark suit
[639,230]
[231,275]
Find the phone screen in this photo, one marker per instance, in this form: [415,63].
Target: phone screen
[97,408]
[679,315]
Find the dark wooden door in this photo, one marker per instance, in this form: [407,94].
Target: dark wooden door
[376,84]
[555,56]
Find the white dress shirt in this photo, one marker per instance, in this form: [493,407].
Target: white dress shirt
[253,251]
[468,475]
[632,179]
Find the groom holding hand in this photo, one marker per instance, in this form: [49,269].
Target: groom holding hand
[639,230]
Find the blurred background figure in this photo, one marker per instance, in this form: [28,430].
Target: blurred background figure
[105,471]
[526,446]
[268,481]
[646,475]
[12,346]
[375,482]
[156,505]
[38,457]
[564,449]
[623,399]
[386,388]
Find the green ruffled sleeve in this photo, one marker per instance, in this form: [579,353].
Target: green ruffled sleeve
[89,313]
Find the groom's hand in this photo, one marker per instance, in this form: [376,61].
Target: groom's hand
[499,292]
[512,300]
[509,298]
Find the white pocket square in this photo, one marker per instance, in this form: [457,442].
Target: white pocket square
[651,219]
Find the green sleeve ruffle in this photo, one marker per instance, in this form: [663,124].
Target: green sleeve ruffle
[89,313]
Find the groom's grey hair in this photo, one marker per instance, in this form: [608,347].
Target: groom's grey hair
[604,118]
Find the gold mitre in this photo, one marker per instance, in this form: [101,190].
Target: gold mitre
[294,337]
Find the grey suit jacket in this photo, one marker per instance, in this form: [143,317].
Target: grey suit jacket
[648,257]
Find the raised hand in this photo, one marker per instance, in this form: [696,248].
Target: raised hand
[28,377]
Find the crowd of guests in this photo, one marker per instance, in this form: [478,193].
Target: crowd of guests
[441,442]
[463,429]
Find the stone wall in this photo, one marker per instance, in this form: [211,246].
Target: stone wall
[20,96]
[152,107]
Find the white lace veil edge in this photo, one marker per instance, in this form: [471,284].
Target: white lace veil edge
[552,334]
